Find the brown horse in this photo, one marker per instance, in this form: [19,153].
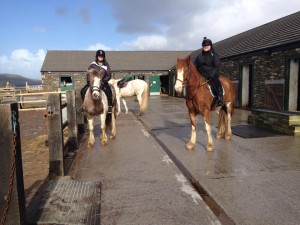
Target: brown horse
[95,103]
[199,100]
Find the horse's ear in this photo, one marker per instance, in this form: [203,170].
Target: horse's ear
[189,58]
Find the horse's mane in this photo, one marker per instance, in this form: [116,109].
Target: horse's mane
[193,68]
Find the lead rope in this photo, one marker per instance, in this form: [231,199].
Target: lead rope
[7,197]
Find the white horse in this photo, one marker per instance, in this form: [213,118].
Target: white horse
[131,88]
[95,104]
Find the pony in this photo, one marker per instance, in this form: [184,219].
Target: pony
[136,87]
[199,100]
[96,104]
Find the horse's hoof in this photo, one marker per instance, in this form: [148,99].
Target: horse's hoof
[89,146]
[189,146]
[228,137]
[112,137]
[103,143]
[209,147]
[219,136]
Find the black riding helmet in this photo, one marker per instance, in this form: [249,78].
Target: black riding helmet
[100,53]
[206,42]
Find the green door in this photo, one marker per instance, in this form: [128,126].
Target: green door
[154,85]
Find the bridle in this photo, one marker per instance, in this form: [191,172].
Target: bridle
[186,81]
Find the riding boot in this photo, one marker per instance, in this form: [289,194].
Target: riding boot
[107,90]
[220,96]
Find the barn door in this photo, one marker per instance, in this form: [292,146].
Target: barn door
[154,85]
[274,95]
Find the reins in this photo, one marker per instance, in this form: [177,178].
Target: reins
[187,81]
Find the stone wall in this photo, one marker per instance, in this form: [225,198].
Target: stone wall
[266,66]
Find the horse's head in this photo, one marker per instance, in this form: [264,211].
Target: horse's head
[96,75]
[183,70]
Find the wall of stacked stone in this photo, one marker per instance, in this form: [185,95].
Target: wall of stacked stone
[51,81]
[267,66]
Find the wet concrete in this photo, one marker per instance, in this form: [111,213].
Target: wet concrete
[255,180]
[139,182]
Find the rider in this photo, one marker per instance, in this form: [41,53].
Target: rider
[101,62]
[208,64]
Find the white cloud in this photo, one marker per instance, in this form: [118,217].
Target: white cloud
[181,25]
[153,42]
[98,46]
[23,62]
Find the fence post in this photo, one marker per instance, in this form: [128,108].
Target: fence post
[12,196]
[72,119]
[80,116]
[55,136]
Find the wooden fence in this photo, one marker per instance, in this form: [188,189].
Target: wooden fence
[60,115]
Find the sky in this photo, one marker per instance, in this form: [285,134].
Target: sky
[28,29]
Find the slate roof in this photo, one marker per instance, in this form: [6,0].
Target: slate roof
[74,61]
[280,32]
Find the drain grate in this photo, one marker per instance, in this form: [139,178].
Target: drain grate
[67,202]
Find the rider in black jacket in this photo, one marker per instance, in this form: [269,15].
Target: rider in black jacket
[208,64]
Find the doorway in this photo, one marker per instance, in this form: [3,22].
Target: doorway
[245,86]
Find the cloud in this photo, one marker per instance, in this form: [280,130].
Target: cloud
[153,42]
[98,46]
[84,14]
[61,11]
[23,62]
[183,24]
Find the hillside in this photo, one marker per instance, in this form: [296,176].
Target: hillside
[17,80]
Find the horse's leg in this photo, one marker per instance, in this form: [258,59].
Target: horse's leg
[221,125]
[125,105]
[191,144]
[119,105]
[228,131]
[210,145]
[91,141]
[139,98]
[103,137]
[113,125]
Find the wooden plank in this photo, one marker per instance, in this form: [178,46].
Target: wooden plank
[11,149]
[41,93]
[72,118]
[32,109]
[55,135]
[33,101]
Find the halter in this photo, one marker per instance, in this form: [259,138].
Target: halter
[95,88]
[187,81]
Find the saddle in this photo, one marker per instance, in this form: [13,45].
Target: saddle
[122,83]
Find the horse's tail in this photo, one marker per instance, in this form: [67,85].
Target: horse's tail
[145,97]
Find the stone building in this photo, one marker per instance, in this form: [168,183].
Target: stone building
[66,70]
